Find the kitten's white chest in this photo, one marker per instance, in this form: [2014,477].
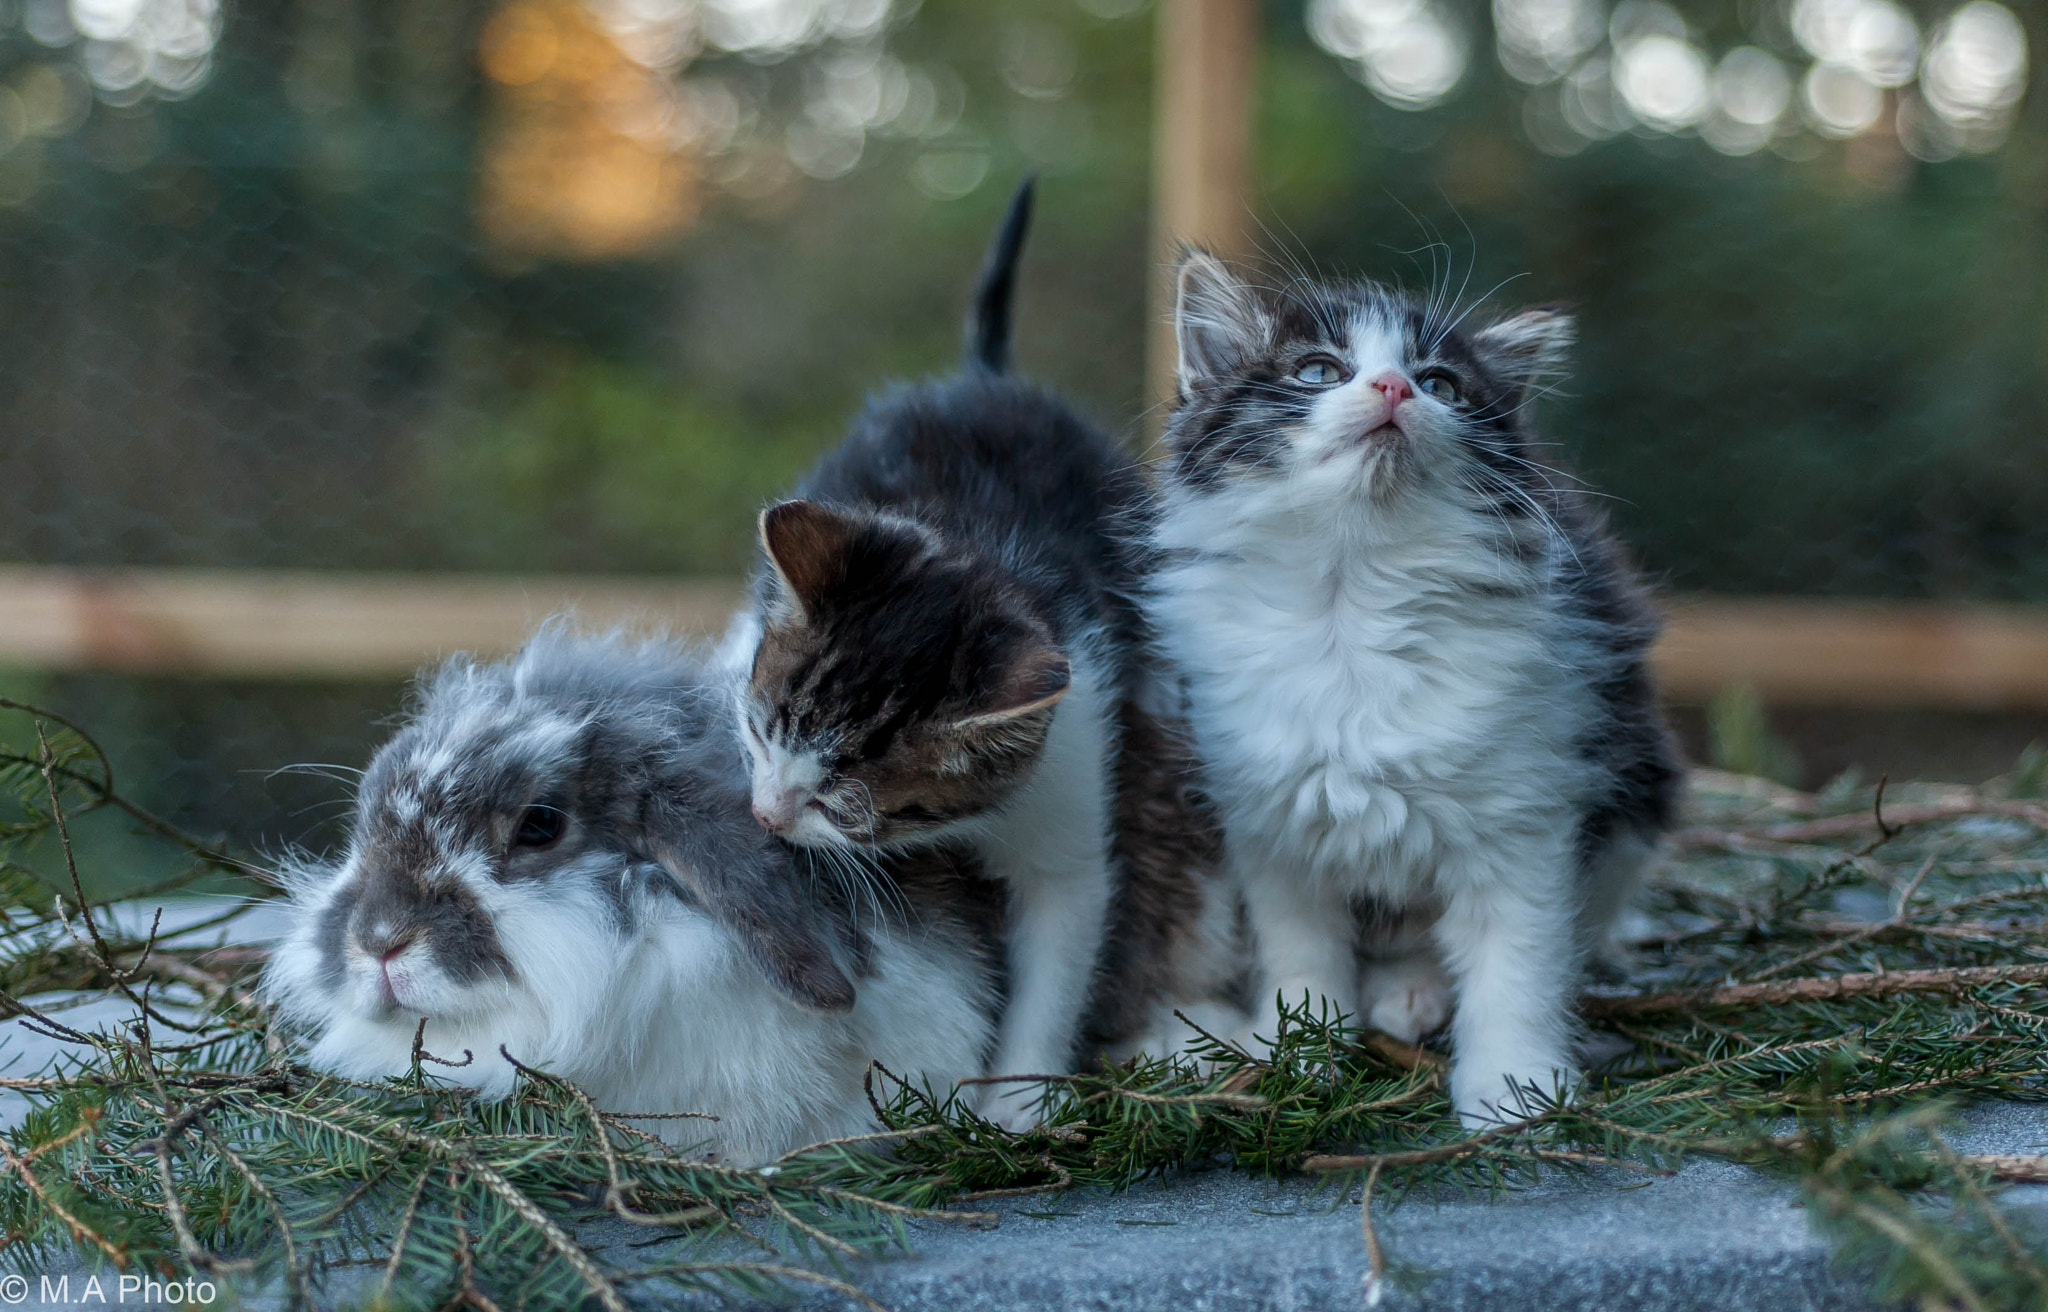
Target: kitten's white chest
[1354,719]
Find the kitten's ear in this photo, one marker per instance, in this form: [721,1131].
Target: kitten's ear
[751,885]
[1034,679]
[1525,347]
[806,543]
[1217,321]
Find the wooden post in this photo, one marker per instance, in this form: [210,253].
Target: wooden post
[1205,61]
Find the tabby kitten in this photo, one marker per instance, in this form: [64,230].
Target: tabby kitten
[1416,666]
[948,651]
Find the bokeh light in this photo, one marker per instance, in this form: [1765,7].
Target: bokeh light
[770,29]
[1663,80]
[581,159]
[1590,105]
[135,48]
[1408,52]
[652,33]
[614,116]
[1839,101]
[1752,91]
[1752,86]
[1541,40]
[1876,39]
[1590,70]
[1975,73]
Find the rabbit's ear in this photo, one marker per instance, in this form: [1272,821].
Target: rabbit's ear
[751,884]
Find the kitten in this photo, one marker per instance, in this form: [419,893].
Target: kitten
[949,650]
[1415,663]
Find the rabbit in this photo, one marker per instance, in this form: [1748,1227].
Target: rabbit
[555,854]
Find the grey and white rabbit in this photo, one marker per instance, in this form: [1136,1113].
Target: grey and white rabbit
[555,854]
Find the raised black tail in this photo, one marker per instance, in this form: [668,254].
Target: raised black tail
[988,323]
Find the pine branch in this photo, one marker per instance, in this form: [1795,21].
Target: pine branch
[1820,988]
[1843,826]
[2013,1169]
[219,1155]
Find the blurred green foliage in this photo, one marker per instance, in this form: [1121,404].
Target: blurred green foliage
[260,325]
[614,464]
[270,305]
[1740,740]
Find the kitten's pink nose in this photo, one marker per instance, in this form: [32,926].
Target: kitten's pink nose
[776,813]
[1394,386]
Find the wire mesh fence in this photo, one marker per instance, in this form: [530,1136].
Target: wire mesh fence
[571,285]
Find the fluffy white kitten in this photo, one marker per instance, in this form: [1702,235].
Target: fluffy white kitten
[1415,665]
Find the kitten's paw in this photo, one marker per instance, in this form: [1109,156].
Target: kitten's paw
[1406,999]
[1322,999]
[1488,1099]
[1197,1025]
[1242,1033]
[1016,1111]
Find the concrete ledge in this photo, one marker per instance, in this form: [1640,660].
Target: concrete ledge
[1712,1238]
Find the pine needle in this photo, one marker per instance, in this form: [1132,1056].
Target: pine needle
[1834,1065]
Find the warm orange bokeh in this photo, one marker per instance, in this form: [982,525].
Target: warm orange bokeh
[577,159]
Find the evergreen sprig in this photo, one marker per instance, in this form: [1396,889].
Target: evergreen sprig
[1821,981]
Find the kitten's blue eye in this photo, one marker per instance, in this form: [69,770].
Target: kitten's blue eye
[1439,385]
[1319,371]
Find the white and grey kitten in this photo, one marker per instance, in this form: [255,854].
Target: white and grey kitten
[1415,663]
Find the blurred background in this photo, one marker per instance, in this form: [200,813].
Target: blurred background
[550,287]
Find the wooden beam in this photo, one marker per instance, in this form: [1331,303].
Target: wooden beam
[1800,652]
[1205,63]
[306,625]
[292,625]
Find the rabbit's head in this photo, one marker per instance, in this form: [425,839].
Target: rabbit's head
[546,851]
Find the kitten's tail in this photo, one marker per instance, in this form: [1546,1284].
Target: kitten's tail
[988,323]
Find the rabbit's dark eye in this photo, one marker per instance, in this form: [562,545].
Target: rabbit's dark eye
[539,826]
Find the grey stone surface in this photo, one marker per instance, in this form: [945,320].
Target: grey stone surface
[1713,1238]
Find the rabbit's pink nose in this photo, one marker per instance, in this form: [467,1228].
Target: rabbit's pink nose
[1394,386]
[385,943]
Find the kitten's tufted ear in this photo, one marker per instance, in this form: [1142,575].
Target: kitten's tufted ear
[1217,321]
[1525,347]
[1034,678]
[806,543]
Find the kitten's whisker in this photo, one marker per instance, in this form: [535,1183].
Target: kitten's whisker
[1531,395]
[1293,253]
[1452,326]
[1553,531]
[1439,280]
[346,775]
[1471,268]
